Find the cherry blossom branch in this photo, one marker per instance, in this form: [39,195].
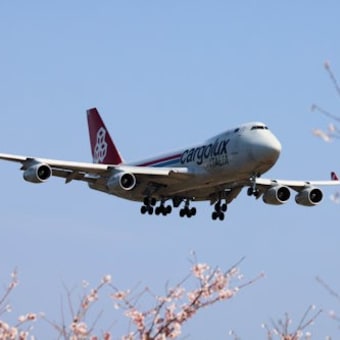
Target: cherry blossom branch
[280,329]
[78,328]
[165,319]
[332,77]
[203,286]
[332,132]
[332,292]
[17,331]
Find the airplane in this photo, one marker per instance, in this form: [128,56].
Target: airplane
[215,171]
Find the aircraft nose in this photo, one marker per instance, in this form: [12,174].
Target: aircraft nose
[269,149]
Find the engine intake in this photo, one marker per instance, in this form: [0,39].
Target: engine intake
[125,181]
[309,197]
[276,195]
[37,173]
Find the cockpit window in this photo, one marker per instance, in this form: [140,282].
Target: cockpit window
[259,127]
[236,130]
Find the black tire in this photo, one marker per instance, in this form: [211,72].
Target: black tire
[143,209]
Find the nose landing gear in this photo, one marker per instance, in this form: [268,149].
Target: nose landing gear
[253,190]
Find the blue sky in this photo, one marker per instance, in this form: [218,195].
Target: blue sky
[166,74]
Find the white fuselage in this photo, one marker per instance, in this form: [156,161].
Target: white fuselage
[232,156]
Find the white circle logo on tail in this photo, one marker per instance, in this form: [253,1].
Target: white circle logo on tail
[100,150]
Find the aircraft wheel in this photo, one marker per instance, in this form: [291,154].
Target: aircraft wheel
[168,209]
[224,207]
[157,211]
[250,191]
[193,211]
[218,206]
[143,209]
[214,215]
[182,213]
[150,210]
[221,216]
[164,210]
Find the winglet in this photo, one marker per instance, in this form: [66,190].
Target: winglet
[334,176]
[103,149]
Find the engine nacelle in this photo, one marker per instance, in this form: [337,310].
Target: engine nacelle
[124,180]
[127,181]
[276,195]
[309,197]
[37,173]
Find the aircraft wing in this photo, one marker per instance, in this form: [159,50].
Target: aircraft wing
[90,172]
[295,185]
[27,161]
[278,191]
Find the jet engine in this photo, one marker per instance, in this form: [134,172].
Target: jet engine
[276,195]
[37,173]
[309,196]
[123,180]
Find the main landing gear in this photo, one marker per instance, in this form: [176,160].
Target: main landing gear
[149,204]
[219,212]
[149,207]
[162,209]
[187,211]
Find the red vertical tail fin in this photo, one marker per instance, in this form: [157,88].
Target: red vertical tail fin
[334,176]
[103,149]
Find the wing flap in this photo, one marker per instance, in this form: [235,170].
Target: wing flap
[180,172]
